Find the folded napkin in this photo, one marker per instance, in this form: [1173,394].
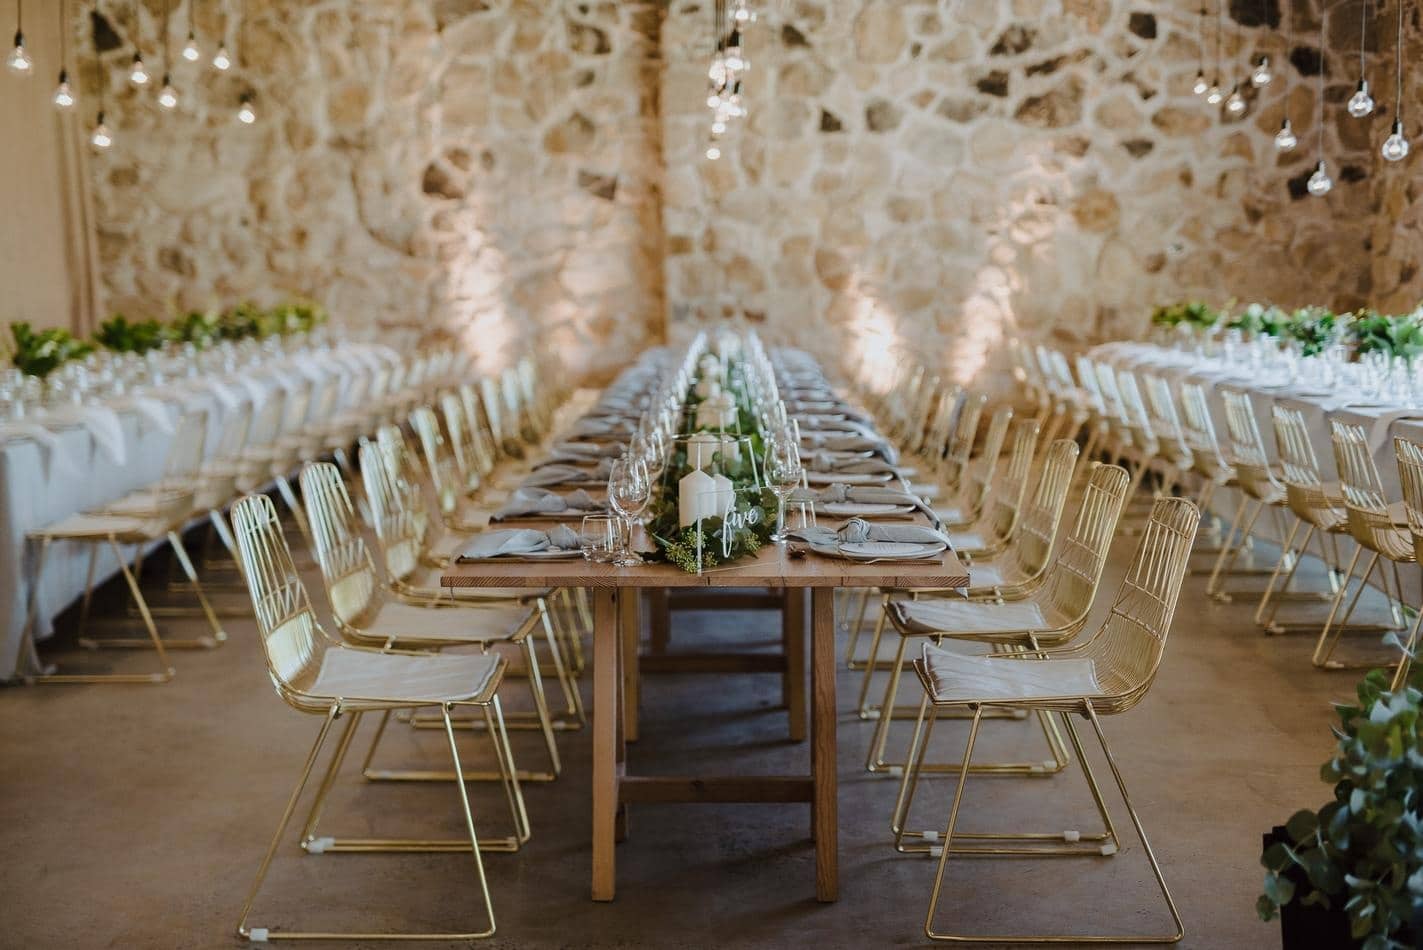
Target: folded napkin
[52,455]
[101,422]
[850,464]
[540,501]
[868,495]
[591,426]
[849,442]
[576,453]
[858,531]
[512,542]
[562,474]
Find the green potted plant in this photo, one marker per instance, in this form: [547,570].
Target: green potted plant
[1351,873]
[39,353]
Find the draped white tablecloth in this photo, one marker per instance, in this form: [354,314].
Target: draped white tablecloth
[79,458]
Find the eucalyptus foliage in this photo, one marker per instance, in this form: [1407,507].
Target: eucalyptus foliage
[39,353]
[1361,852]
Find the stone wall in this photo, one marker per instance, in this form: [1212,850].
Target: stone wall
[933,178]
[486,166]
[913,177]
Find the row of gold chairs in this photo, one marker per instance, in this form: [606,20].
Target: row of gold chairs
[1018,643]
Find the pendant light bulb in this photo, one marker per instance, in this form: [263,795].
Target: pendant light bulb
[19,61]
[718,127]
[190,49]
[168,96]
[220,60]
[1261,75]
[1235,103]
[1395,147]
[714,100]
[1361,103]
[245,113]
[1214,95]
[1285,139]
[138,73]
[100,137]
[63,95]
[734,59]
[1319,182]
[1200,86]
[742,13]
[713,153]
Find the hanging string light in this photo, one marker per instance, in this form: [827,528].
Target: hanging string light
[167,96]
[1235,102]
[221,61]
[100,137]
[63,96]
[1395,147]
[1361,103]
[1213,94]
[1200,86]
[1285,139]
[19,61]
[1319,182]
[1261,75]
[191,52]
[245,113]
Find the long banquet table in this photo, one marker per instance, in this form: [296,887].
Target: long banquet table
[616,627]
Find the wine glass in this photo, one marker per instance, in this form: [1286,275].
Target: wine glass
[783,474]
[629,491]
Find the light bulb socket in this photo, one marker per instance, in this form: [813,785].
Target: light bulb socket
[63,75]
[19,40]
[99,119]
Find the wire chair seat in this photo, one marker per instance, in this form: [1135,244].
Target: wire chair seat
[402,679]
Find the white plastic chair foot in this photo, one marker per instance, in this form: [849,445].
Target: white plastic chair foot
[895,770]
[931,836]
[1072,836]
[1108,850]
[257,935]
[319,845]
[937,851]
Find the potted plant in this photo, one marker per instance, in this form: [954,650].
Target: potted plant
[1351,874]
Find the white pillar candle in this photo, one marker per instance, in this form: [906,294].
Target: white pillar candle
[695,497]
[725,495]
[731,450]
[700,449]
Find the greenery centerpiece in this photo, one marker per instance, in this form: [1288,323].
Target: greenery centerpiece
[1401,336]
[1259,319]
[1362,852]
[1193,314]
[39,353]
[1315,329]
[747,522]
[122,335]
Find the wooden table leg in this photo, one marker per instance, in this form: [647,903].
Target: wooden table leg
[630,622]
[793,643]
[661,619]
[822,749]
[606,676]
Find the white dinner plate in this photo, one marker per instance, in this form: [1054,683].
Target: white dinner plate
[860,509]
[889,549]
[847,478]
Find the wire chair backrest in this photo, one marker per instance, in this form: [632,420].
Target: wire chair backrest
[1004,506]
[481,451]
[1410,476]
[1134,409]
[438,463]
[1128,647]
[323,403]
[1075,573]
[292,640]
[980,474]
[1199,429]
[1111,394]
[346,567]
[185,453]
[941,422]
[298,402]
[959,449]
[380,385]
[1370,522]
[1088,382]
[1299,466]
[398,529]
[1032,546]
[922,416]
[489,399]
[406,475]
[452,412]
[1165,420]
[235,431]
[1247,448]
[267,420]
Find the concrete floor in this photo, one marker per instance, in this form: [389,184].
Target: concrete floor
[135,817]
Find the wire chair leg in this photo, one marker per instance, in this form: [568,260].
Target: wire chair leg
[872,663]
[874,760]
[1332,632]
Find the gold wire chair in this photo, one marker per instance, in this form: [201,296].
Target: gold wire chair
[993,530]
[315,674]
[971,480]
[1106,674]
[1410,474]
[1376,527]
[1206,457]
[1172,448]
[1260,490]
[366,615]
[442,470]
[143,518]
[408,561]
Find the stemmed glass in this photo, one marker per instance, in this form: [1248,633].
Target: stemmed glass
[629,490]
[783,474]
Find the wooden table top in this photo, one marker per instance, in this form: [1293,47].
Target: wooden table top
[771,567]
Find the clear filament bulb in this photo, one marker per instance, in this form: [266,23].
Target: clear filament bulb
[742,13]
[168,96]
[1395,147]
[138,73]
[1214,95]
[1200,86]
[1235,103]
[713,100]
[1285,139]
[190,49]
[220,60]
[63,95]
[245,113]
[1261,74]
[1361,103]
[19,61]
[718,127]
[100,137]
[716,72]
[1319,182]
[713,152]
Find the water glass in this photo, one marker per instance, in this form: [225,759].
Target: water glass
[596,538]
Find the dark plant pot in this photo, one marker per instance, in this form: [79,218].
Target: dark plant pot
[1316,928]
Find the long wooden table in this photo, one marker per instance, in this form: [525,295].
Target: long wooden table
[616,593]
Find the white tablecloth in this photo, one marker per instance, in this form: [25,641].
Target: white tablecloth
[76,466]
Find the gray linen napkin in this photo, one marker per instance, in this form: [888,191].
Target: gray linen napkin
[849,442]
[511,542]
[850,464]
[561,474]
[581,453]
[868,495]
[541,501]
[858,530]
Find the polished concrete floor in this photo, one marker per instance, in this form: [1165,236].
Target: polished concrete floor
[135,816]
